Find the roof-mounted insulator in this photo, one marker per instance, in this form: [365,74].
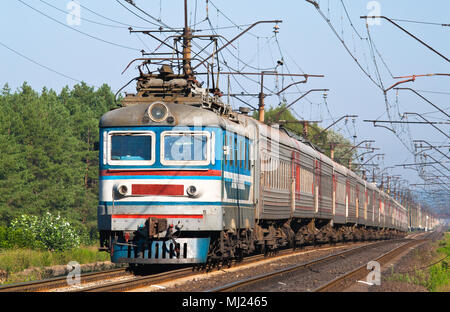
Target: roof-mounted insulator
[276,29]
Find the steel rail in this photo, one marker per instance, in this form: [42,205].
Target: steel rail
[163,277]
[235,286]
[58,282]
[338,284]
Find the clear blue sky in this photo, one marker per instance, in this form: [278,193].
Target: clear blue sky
[305,40]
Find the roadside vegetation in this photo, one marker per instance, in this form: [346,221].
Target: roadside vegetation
[23,265]
[440,273]
[434,272]
[31,245]
[49,178]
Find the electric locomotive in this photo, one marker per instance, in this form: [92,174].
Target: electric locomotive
[173,175]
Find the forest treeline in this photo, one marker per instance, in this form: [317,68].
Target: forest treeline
[49,152]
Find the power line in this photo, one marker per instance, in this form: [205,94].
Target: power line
[408,33]
[160,22]
[110,19]
[231,68]
[327,20]
[82,18]
[420,22]
[79,31]
[350,21]
[137,15]
[222,28]
[232,54]
[39,64]
[434,92]
[224,15]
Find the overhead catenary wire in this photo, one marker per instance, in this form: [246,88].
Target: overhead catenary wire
[77,30]
[137,15]
[110,19]
[226,17]
[409,34]
[158,21]
[327,20]
[42,65]
[246,64]
[420,22]
[233,69]
[399,129]
[82,18]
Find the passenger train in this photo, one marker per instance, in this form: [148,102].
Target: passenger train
[184,179]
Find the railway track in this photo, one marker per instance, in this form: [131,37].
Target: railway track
[154,279]
[59,282]
[86,278]
[344,281]
[252,281]
[135,282]
[163,277]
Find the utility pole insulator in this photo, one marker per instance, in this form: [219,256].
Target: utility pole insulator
[261,107]
[305,129]
[332,146]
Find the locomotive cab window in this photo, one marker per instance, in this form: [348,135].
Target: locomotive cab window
[131,148]
[185,148]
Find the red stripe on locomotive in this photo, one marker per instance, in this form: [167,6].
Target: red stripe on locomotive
[157,189]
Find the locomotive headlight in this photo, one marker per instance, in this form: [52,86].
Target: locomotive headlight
[158,111]
[192,191]
[121,190]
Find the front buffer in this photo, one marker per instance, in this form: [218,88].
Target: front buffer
[148,247]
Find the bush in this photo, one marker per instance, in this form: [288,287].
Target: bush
[48,232]
[18,238]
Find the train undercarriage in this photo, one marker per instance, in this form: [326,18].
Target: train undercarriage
[146,246]
[269,236]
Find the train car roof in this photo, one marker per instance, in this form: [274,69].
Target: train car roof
[339,168]
[352,174]
[372,186]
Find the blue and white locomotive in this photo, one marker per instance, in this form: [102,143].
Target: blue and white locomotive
[184,179]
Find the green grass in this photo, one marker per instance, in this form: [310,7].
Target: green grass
[416,277]
[435,277]
[15,261]
[439,279]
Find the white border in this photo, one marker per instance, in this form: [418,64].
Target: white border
[149,112]
[132,162]
[187,162]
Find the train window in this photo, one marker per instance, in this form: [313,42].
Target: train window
[131,148]
[185,147]
[306,181]
[340,192]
